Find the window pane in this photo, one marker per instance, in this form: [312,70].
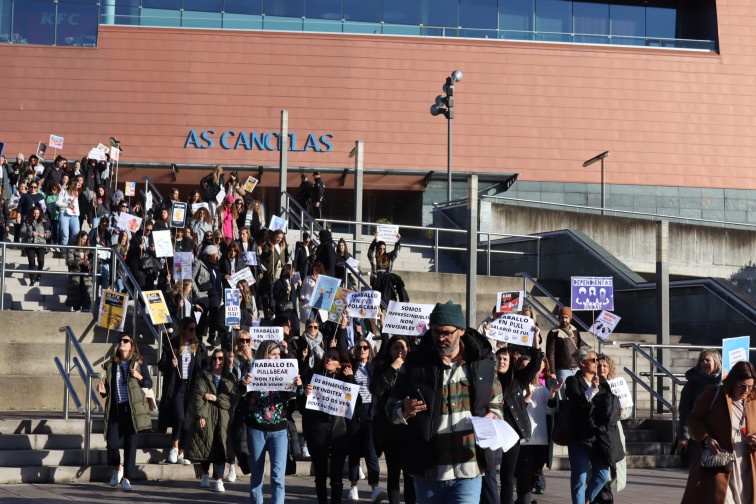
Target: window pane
[289,8]
[323,25]
[123,12]
[160,17]
[400,29]
[591,22]
[242,22]
[661,22]
[194,19]
[323,9]
[5,20]
[243,6]
[203,5]
[33,22]
[282,23]
[161,4]
[77,24]
[516,18]
[478,14]
[402,12]
[441,12]
[628,20]
[553,20]
[357,27]
[363,10]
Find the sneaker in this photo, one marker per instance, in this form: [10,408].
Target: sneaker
[378,495]
[305,452]
[353,494]
[117,477]
[173,455]
[219,486]
[125,485]
[232,473]
[205,482]
[362,474]
[181,460]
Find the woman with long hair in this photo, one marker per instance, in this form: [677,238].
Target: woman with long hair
[35,229]
[707,371]
[274,256]
[68,205]
[724,420]
[225,219]
[284,296]
[241,364]
[100,205]
[202,222]
[79,260]
[4,218]
[266,418]
[208,419]
[326,433]
[212,183]
[181,363]
[180,300]
[381,263]
[51,210]
[315,342]
[231,263]
[127,412]
[308,289]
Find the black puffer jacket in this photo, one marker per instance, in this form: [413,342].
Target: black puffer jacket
[513,387]
[697,382]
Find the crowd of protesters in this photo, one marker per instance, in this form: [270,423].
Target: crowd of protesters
[415,393]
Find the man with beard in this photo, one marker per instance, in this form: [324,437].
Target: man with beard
[561,344]
[447,379]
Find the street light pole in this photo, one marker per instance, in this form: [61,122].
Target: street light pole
[444,105]
[601,158]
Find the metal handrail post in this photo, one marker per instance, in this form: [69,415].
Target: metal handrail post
[635,385]
[2,277]
[651,385]
[95,296]
[488,255]
[435,250]
[67,369]
[538,258]
[674,415]
[88,429]
[113,273]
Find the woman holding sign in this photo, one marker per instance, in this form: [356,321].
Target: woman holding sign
[327,433]
[266,418]
[381,264]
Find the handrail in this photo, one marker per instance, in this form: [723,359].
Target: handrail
[68,387]
[347,269]
[672,407]
[303,214]
[149,185]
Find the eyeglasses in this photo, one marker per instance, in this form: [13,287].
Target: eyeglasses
[445,334]
[244,340]
[381,248]
[124,341]
[148,229]
[313,327]
[743,386]
[34,187]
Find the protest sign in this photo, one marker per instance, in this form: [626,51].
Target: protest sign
[148,198]
[273,374]
[331,396]
[604,324]
[182,265]
[364,304]
[156,307]
[511,328]
[249,258]
[410,319]
[197,206]
[115,153]
[250,184]
[324,292]
[260,334]
[221,195]
[178,214]
[620,389]
[113,310]
[232,299]
[103,254]
[493,433]
[734,350]
[277,223]
[41,149]
[509,301]
[101,146]
[592,293]
[163,244]
[354,263]
[128,222]
[96,154]
[130,189]
[243,274]
[56,142]
[2,148]
[339,304]
[387,233]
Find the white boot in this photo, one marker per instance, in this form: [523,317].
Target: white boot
[232,473]
[117,477]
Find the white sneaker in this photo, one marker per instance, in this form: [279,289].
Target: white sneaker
[205,481]
[232,473]
[362,474]
[181,460]
[219,486]
[353,494]
[305,451]
[378,495]
[173,455]
[125,485]
[117,477]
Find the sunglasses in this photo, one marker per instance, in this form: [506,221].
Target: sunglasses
[219,358]
[363,348]
[594,360]
[244,340]
[312,327]
[123,341]
[34,187]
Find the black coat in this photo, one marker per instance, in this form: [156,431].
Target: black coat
[224,267]
[302,260]
[171,380]
[326,254]
[514,386]
[697,382]
[211,190]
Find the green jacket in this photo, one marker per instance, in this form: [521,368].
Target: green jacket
[216,415]
[140,409]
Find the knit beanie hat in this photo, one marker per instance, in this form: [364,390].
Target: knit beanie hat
[448,314]
[565,310]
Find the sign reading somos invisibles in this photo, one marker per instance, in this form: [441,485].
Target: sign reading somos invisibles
[231,139]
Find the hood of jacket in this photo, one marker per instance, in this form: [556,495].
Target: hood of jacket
[700,378]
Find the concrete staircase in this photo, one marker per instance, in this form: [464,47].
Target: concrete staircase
[50,293]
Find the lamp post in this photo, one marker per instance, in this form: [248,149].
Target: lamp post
[444,105]
[601,158]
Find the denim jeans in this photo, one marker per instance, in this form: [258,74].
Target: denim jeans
[69,227]
[580,458]
[563,374]
[277,444]
[458,491]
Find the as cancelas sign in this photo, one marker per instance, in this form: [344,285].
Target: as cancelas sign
[231,139]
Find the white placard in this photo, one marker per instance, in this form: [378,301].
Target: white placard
[410,319]
[128,222]
[511,328]
[148,198]
[96,154]
[163,244]
[604,324]
[331,396]
[493,433]
[242,274]
[387,233]
[620,389]
[197,206]
[260,334]
[364,304]
[221,194]
[250,258]
[273,374]
[130,189]
[509,301]
[182,265]
[232,301]
[277,223]
[354,263]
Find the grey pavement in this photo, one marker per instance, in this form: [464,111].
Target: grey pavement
[648,486]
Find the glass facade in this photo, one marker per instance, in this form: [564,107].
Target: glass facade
[684,24]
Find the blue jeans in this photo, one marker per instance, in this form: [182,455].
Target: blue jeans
[580,458]
[277,444]
[465,490]
[563,374]
[69,227]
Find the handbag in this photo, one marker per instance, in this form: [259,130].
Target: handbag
[286,306]
[716,462]
[562,433]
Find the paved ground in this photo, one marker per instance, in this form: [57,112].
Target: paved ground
[647,486]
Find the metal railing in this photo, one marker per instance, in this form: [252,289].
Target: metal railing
[147,186]
[300,217]
[87,373]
